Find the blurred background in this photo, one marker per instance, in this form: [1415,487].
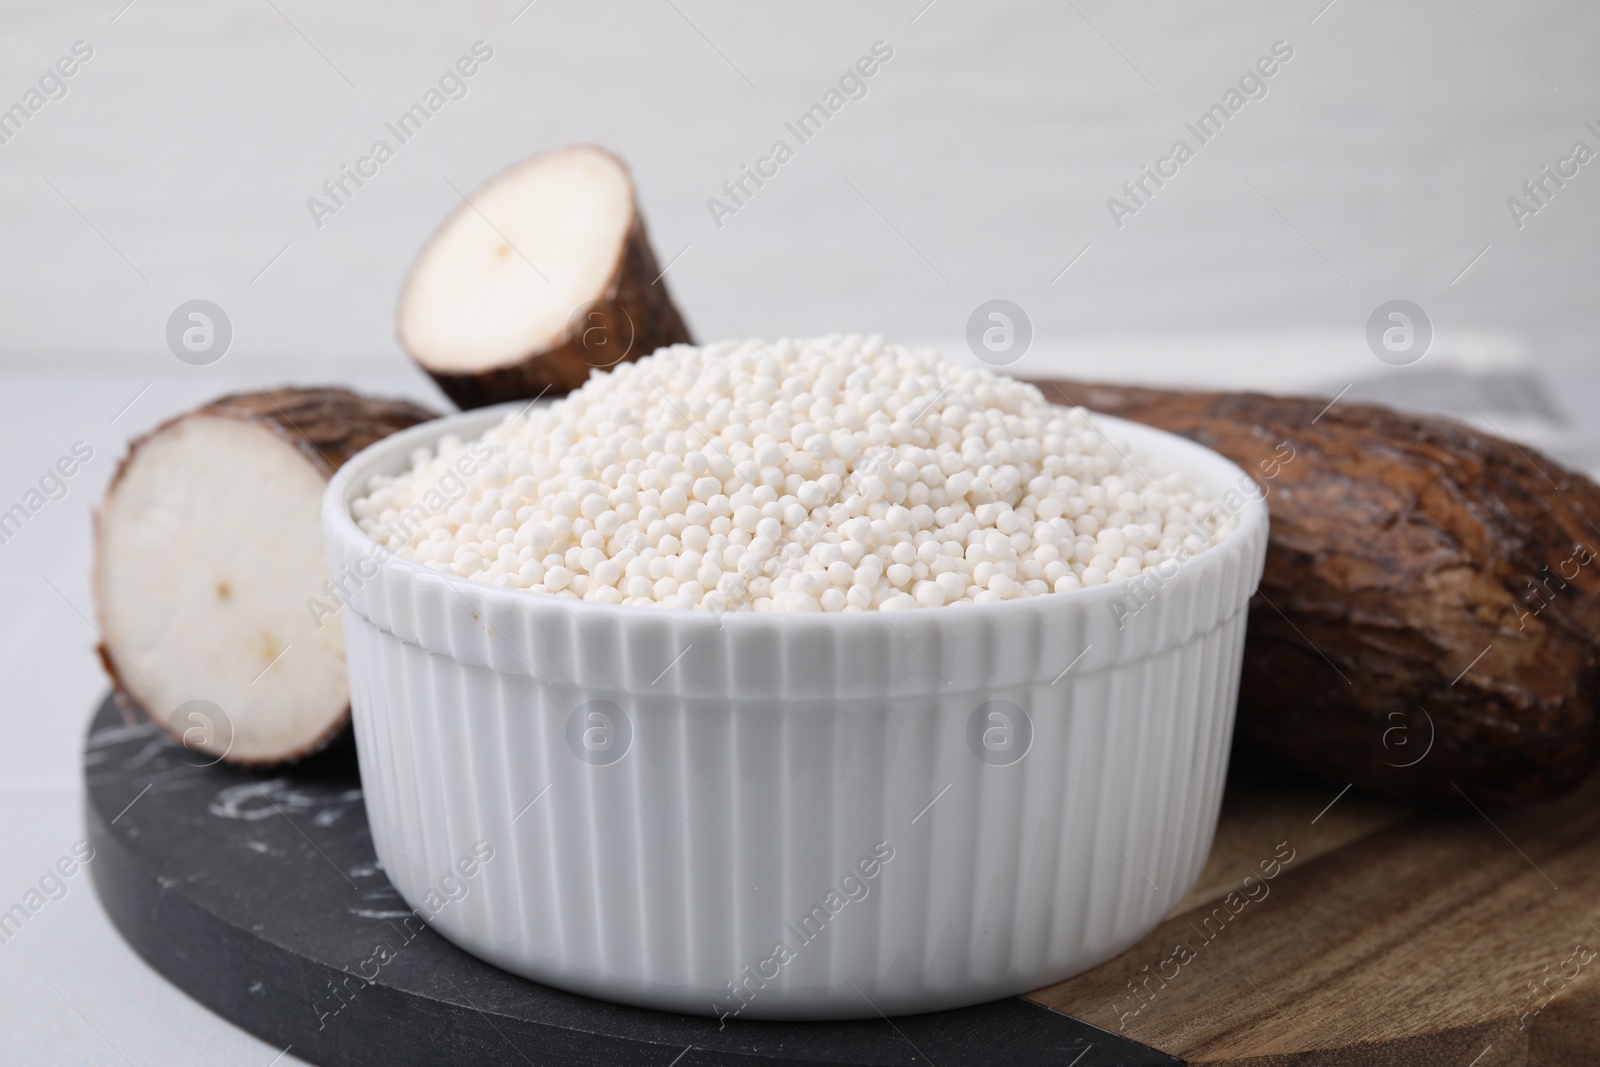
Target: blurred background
[979,164]
[1384,159]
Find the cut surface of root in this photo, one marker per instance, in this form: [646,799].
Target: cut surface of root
[208,559]
[542,275]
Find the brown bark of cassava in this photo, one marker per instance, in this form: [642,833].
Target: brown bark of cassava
[1415,566]
[325,426]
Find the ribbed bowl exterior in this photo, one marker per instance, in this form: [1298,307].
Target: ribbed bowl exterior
[793,816]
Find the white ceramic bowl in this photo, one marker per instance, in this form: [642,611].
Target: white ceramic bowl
[924,809]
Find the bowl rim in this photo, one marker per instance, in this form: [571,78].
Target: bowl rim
[1219,473]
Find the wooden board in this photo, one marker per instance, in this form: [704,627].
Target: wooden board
[1394,936]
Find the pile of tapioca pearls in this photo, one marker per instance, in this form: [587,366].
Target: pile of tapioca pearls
[833,474]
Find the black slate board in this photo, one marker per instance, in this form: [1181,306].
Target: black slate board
[259,895]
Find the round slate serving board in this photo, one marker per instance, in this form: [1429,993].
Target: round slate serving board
[260,895]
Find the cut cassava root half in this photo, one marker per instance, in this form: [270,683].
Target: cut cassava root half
[208,547]
[1429,615]
[544,274]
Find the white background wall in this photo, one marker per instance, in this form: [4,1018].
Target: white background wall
[991,141]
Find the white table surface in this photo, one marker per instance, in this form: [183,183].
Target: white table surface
[71,992]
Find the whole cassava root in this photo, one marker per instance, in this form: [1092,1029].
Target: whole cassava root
[1428,619]
[208,546]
